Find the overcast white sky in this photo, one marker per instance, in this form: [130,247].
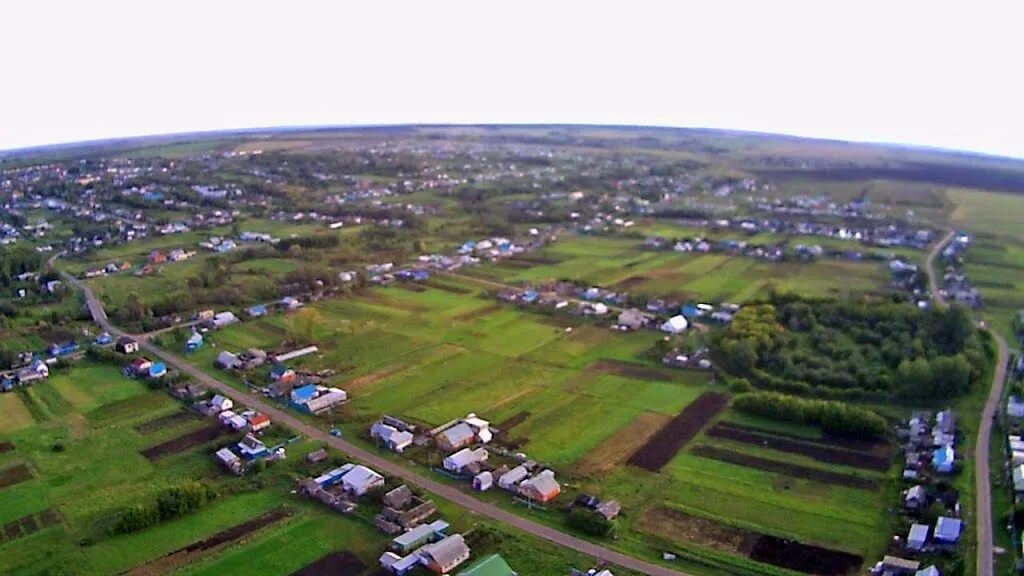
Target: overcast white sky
[931,73]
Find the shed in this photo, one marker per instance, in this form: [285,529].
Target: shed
[493,565]
[674,325]
[483,481]
[947,530]
[917,537]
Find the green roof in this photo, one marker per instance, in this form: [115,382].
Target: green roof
[493,565]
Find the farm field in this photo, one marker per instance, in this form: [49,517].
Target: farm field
[581,401]
[619,263]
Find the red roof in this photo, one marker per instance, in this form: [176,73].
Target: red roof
[259,420]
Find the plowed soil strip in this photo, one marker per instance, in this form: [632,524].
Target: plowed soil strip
[6,447]
[162,422]
[878,448]
[818,452]
[189,553]
[14,475]
[342,563]
[630,370]
[512,422]
[183,443]
[802,557]
[620,445]
[679,526]
[30,524]
[668,441]
[793,470]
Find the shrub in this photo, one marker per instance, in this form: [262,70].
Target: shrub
[590,522]
[831,416]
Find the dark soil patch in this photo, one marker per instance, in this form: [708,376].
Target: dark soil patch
[6,447]
[49,517]
[157,424]
[12,530]
[794,470]
[629,283]
[189,553]
[874,447]
[478,313]
[14,475]
[668,441]
[445,287]
[818,452]
[517,264]
[409,287]
[630,370]
[342,563]
[534,259]
[184,442]
[512,422]
[801,557]
[29,525]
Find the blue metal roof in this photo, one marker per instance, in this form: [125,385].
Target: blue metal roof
[304,393]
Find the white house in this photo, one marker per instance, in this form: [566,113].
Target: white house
[917,537]
[460,460]
[359,480]
[483,481]
[221,403]
[509,480]
[675,325]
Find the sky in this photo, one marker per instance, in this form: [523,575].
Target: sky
[945,74]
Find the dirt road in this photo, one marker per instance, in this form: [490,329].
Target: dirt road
[983,484]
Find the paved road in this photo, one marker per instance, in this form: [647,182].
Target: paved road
[983,484]
[374,460]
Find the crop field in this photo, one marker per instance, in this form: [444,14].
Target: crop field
[583,401]
[622,264]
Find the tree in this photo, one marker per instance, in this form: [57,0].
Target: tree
[303,325]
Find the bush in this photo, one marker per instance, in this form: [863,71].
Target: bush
[58,446]
[831,416]
[171,503]
[590,522]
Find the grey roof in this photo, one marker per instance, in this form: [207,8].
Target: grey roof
[447,551]
[458,434]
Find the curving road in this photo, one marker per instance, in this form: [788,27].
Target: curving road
[376,461]
[983,484]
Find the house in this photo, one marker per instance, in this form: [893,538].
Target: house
[917,537]
[359,480]
[674,325]
[229,460]
[289,303]
[1014,407]
[324,400]
[896,566]
[493,565]
[251,447]
[541,488]
[632,319]
[257,311]
[189,392]
[222,319]
[916,498]
[929,571]
[393,439]
[416,537]
[1018,478]
[942,459]
[609,509]
[444,556]
[227,360]
[398,565]
[947,530]
[464,460]
[483,481]
[317,456]
[157,370]
[398,498]
[38,370]
[62,349]
[258,422]
[220,403]
[455,437]
[232,420]
[138,367]
[281,373]
[103,339]
[511,479]
[194,342]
